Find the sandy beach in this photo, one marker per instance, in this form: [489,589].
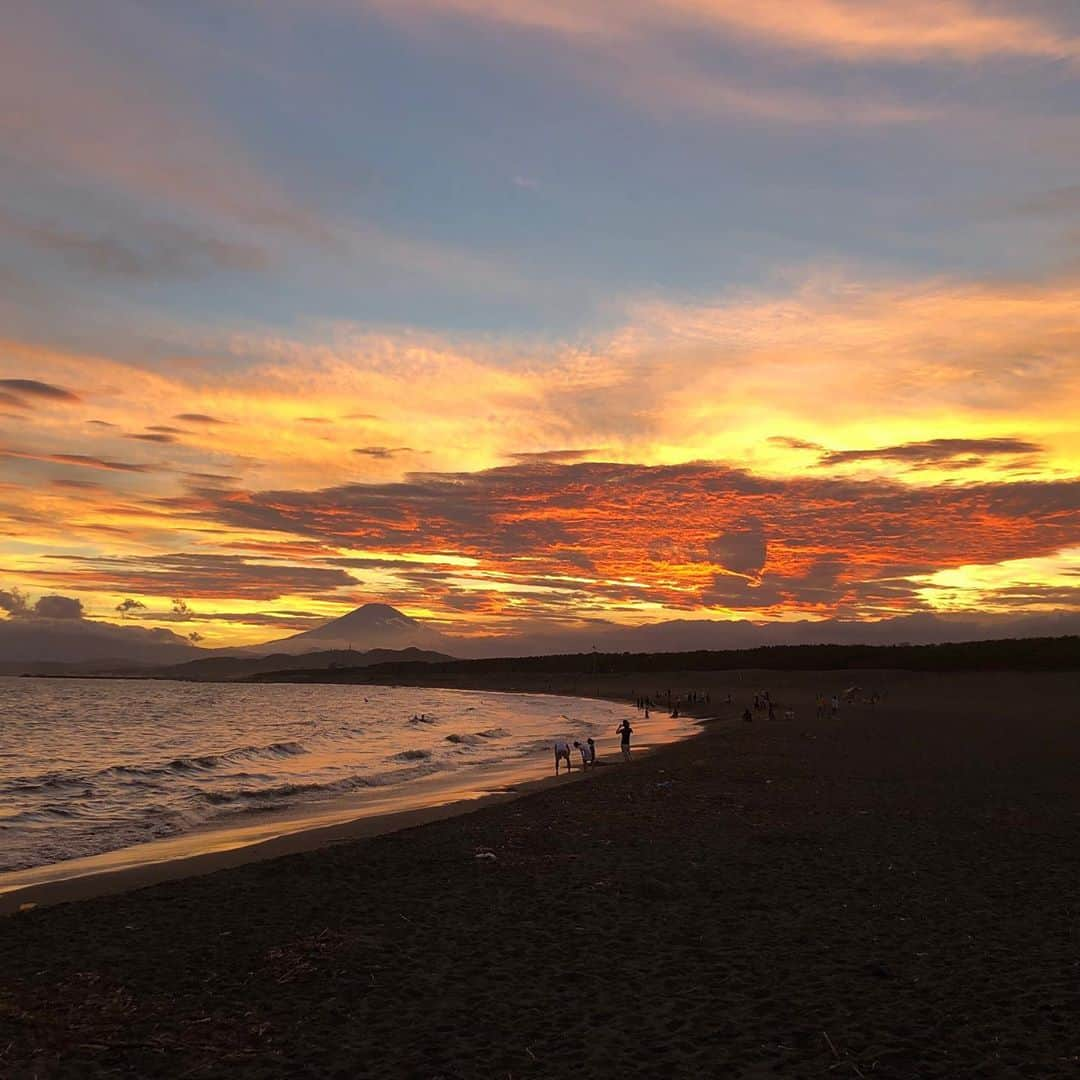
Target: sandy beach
[887,892]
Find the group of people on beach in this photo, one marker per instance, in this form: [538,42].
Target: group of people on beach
[587,749]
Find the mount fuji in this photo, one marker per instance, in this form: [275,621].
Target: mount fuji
[372,626]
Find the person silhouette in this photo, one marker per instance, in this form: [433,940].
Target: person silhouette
[562,753]
[624,731]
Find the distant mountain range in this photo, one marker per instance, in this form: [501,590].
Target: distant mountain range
[228,668]
[26,642]
[377,633]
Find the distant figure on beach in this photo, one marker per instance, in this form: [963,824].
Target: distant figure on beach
[591,746]
[562,753]
[624,731]
[747,715]
[583,750]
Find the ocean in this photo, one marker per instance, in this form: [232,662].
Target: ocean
[89,766]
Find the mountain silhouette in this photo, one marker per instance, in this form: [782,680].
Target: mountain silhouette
[372,626]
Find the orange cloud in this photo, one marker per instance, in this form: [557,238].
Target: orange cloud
[880,432]
[845,29]
[851,368]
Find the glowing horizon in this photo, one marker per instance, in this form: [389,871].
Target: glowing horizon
[519,316]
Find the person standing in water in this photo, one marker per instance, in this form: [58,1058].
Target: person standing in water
[624,731]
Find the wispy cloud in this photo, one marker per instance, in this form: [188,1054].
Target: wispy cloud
[139,249]
[651,51]
[82,461]
[195,575]
[198,168]
[957,452]
[840,29]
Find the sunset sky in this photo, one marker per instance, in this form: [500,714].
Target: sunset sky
[515,313]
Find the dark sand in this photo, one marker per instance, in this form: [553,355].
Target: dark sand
[891,893]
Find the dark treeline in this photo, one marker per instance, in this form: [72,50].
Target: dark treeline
[1012,654]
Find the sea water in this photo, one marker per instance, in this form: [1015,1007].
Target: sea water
[95,765]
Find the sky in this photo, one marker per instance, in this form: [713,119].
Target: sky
[522,315]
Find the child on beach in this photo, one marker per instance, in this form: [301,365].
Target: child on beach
[562,753]
[583,750]
[591,745]
[624,730]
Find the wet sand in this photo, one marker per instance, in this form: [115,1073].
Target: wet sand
[890,892]
[304,826]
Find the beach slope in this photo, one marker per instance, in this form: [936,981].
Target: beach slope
[887,892]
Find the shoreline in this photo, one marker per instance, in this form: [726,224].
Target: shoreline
[108,882]
[302,829]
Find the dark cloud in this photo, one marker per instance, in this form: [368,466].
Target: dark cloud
[58,607]
[554,456]
[138,250]
[164,429]
[198,418]
[742,550]
[735,591]
[18,606]
[82,461]
[12,402]
[794,444]
[194,575]
[33,388]
[14,602]
[935,451]
[152,436]
[212,478]
[382,452]
[307,550]
[279,620]
[100,423]
[76,485]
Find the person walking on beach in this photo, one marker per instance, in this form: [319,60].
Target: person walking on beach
[624,731]
[583,750]
[562,753]
[591,745]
